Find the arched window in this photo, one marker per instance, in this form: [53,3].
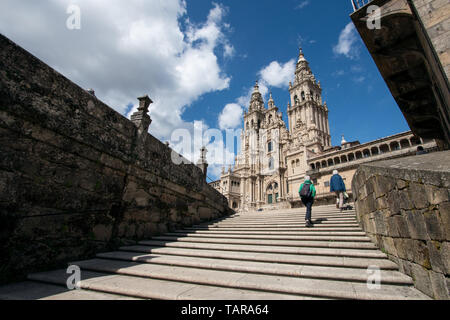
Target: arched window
[394,146]
[303,95]
[384,148]
[404,144]
[295,99]
[270,147]
[366,153]
[235,205]
[374,151]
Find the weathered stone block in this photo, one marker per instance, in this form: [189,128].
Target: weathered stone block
[382,203]
[445,252]
[401,184]
[401,226]
[418,195]
[392,230]
[436,195]
[420,254]
[433,225]
[389,246]
[401,248]
[444,214]
[380,223]
[422,279]
[434,250]
[438,284]
[102,232]
[383,185]
[416,225]
[393,203]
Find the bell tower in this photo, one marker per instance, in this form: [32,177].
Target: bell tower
[308,115]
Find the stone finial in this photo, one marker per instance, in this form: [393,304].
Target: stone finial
[202,163]
[144,103]
[91,92]
[140,118]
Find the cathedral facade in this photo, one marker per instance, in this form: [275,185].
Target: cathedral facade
[274,159]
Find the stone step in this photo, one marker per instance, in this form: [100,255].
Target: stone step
[269,230]
[317,226]
[248,244]
[278,225]
[273,231]
[147,288]
[238,280]
[280,255]
[30,290]
[334,252]
[274,268]
[290,217]
[264,235]
[322,237]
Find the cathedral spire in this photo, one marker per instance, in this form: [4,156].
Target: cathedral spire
[256,102]
[301,56]
[271,102]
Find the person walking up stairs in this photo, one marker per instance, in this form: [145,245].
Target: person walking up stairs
[307,193]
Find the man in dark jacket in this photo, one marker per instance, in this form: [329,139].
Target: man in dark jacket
[337,186]
[307,196]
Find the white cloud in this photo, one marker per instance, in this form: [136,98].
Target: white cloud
[347,42]
[302,4]
[278,75]
[126,49]
[359,79]
[231,116]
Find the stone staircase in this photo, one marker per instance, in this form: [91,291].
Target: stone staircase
[253,256]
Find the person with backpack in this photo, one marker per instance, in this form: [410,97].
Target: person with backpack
[307,193]
[337,186]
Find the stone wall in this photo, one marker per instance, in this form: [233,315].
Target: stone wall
[435,16]
[76,177]
[404,206]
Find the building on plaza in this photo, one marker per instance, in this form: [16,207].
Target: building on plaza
[274,158]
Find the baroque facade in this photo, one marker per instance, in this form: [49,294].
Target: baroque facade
[274,159]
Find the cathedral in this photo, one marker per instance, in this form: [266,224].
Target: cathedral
[274,159]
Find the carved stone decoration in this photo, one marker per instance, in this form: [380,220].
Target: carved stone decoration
[140,118]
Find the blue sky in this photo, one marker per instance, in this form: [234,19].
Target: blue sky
[199,59]
[361,106]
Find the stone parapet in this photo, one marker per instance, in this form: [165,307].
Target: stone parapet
[77,178]
[404,206]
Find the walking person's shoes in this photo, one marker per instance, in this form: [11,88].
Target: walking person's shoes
[309,224]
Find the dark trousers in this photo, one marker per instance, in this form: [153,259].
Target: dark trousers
[308,202]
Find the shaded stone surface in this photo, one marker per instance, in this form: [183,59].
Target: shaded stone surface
[415,233]
[76,177]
